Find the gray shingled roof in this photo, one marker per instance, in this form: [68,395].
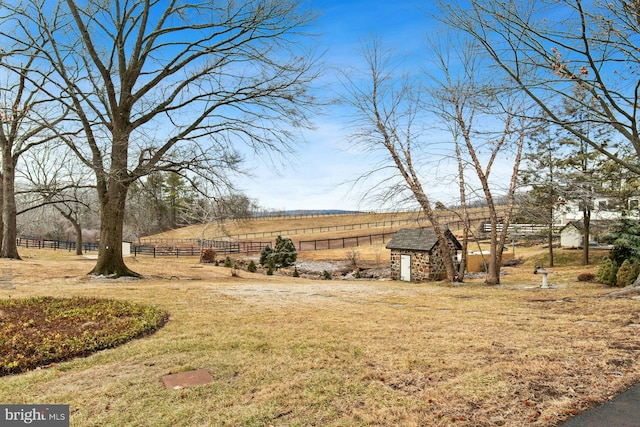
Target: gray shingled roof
[577,224]
[417,239]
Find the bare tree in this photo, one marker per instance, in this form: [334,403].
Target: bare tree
[385,108]
[55,177]
[546,47]
[486,125]
[549,48]
[170,85]
[27,120]
[211,209]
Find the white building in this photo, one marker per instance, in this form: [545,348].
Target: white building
[572,235]
[570,211]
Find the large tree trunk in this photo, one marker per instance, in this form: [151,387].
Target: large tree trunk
[493,269]
[443,240]
[110,261]
[1,210]
[78,228]
[495,253]
[587,236]
[449,266]
[550,237]
[70,216]
[9,211]
[550,243]
[462,267]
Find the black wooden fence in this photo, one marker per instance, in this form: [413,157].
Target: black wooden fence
[55,244]
[221,246]
[344,242]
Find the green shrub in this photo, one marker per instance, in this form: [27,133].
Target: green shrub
[270,267]
[284,253]
[227,262]
[326,275]
[607,272]
[627,273]
[265,255]
[296,273]
[252,268]
[625,238]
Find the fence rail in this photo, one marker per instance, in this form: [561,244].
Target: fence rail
[56,244]
[391,223]
[344,242]
[523,229]
[292,231]
[418,220]
[221,246]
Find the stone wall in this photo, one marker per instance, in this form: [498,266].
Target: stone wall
[419,265]
[438,270]
[424,266]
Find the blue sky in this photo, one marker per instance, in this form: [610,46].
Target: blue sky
[318,176]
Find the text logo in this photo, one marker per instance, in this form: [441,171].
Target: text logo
[34,415]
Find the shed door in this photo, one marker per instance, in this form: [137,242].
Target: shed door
[405,268]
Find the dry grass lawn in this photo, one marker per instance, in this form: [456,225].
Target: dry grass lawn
[296,352]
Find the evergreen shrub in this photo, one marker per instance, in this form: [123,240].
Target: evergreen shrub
[607,272]
[627,273]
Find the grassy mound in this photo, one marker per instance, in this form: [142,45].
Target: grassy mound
[39,331]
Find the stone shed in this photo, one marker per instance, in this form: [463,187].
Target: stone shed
[416,255]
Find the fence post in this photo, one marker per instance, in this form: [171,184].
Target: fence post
[154,251]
